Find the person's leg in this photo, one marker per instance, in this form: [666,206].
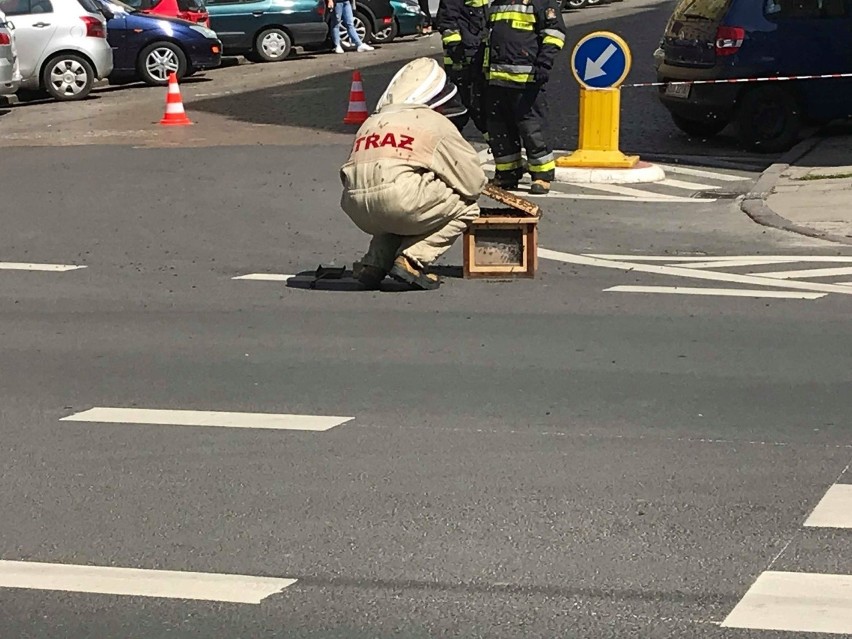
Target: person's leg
[424,250]
[503,137]
[349,22]
[530,116]
[424,7]
[335,23]
[375,265]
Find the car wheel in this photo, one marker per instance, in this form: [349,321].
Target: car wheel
[592,3]
[272,45]
[574,4]
[768,119]
[699,128]
[158,61]
[362,27]
[388,34]
[68,77]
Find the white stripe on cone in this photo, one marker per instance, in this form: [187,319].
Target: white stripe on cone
[358,106]
[174,108]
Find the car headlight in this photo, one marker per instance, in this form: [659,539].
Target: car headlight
[207,33]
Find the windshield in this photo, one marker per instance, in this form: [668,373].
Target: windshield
[701,10]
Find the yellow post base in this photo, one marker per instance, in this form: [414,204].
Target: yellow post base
[591,158]
[599,129]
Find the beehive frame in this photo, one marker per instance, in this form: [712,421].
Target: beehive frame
[526,266]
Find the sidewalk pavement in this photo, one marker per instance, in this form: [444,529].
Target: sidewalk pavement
[810,194]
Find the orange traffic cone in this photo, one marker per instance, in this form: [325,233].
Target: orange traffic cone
[175,115]
[357,113]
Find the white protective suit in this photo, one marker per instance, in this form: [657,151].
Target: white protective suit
[412,180]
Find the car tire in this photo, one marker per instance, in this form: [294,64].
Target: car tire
[388,34]
[364,28]
[271,45]
[699,128]
[158,61]
[593,3]
[573,4]
[68,77]
[768,119]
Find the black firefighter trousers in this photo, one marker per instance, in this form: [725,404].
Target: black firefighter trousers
[470,81]
[516,119]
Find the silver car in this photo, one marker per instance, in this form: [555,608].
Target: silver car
[10,78]
[61,45]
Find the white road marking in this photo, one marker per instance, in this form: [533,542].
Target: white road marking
[207,418]
[23,266]
[689,186]
[265,277]
[735,262]
[712,175]
[725,292]
[624,198]
[617,189]
[834,510]
[796,602]
[758,259]
[167,584]
[815,272]
[680,271]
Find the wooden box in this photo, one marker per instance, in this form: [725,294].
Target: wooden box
[501,243]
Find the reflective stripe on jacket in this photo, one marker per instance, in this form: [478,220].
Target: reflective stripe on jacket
[461,23]
[525,35]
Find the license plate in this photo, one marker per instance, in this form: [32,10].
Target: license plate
[678,90]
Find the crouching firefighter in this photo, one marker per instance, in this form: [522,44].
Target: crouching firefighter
[463,26]
[525,37]
[411,181]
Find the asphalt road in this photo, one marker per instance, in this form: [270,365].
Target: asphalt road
[543,458]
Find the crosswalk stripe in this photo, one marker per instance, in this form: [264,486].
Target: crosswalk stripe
[617,189]
[166,584]
[637,266]
[623,198]
[25,266]
[712,175]
[815,272]
[723,292]
[758,259]
[834,510]
[736,262]
[795,602]
[265,277]
[688,186]
[220,419]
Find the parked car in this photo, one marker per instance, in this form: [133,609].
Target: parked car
[190,10]
[371,17]
[61,44]
[267,30]
[408,20]
[151,48]
[723,39]
[10,77]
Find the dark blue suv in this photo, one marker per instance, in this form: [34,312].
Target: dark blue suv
[724,39]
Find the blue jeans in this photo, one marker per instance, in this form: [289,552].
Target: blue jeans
[343,14]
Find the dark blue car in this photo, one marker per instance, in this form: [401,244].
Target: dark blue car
[724,39]
[150,48]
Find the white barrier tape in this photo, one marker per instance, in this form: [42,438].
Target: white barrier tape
[777,78]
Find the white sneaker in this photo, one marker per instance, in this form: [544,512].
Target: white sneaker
[338,49]
[364,48]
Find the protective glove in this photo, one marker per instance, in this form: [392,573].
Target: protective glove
[456,52]
[542,75]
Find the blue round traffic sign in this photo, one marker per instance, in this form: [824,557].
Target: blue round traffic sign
[601,60]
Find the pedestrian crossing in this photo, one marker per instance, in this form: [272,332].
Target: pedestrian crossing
[803,601]
[750,271]
[682,185]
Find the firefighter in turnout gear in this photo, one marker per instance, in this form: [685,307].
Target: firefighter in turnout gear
[526,36]
[463,26]
[412,180]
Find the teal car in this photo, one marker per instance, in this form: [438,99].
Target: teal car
[267,30]
[408,20]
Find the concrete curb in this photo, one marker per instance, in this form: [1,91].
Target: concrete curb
[754,203]
[642,174]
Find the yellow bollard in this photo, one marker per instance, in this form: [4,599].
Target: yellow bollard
[600,62]
[599,128]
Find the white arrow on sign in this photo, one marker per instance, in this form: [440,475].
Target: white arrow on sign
[594,68]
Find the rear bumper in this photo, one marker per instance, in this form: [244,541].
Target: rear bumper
[410,23]
[101,57]
[704,100]
[308,33]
